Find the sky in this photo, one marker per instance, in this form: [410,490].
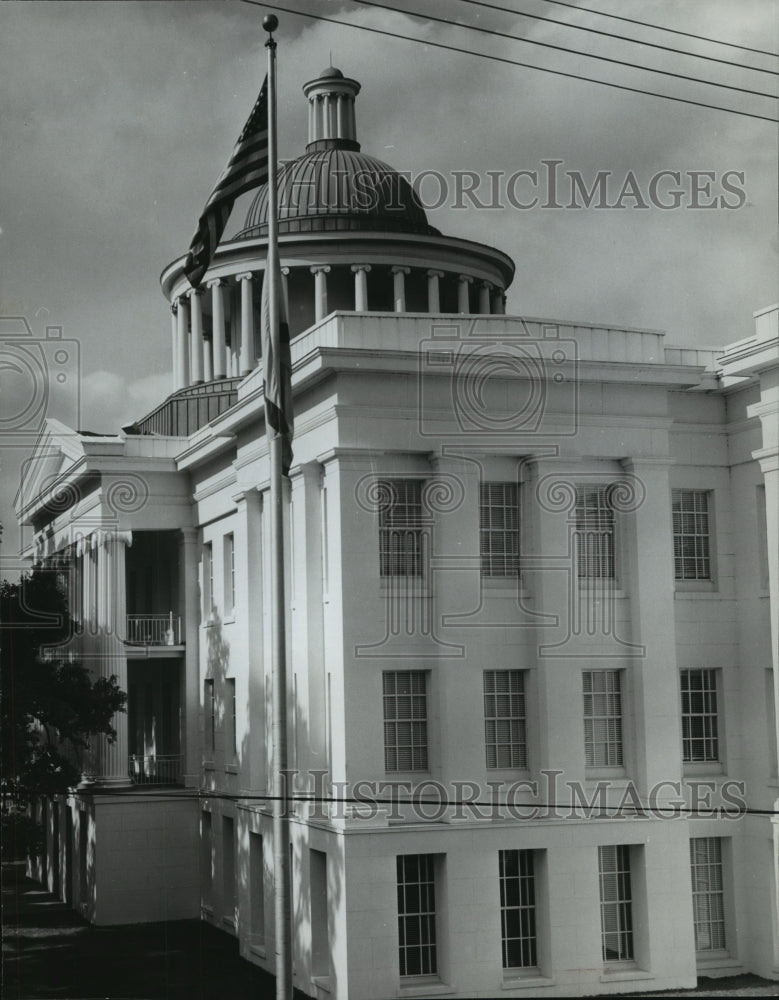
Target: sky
[118,117]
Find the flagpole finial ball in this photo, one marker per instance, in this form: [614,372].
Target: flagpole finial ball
[270,22]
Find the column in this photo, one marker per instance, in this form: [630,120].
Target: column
[311,121]
[174,347]
[208,359]
[498,302]
[650,583]
[484,298]
[549,575]
[183,340]
[196,343]
[249,623]
[463,303]
[320,272]
[433,291]
[399,288]
[339,116]
[361,286]
[190,680]
[246,355]
[218,326]
[111,758]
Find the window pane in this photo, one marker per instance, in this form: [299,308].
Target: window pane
[516,871]
[405,720]
[615,903]
[416,915]
[690,509]
[602,718]
[498,529]
[707,893]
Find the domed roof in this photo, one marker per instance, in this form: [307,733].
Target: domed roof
[331,73]
[338,189]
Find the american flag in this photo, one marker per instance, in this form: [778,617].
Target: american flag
[278,394]
[246,169]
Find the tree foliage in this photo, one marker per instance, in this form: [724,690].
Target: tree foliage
[50,707]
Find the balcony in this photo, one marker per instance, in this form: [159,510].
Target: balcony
[163,769]
[154,630]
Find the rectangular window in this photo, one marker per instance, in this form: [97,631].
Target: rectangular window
[700,738]
[594,536]
[232,736]
[616,903]
[206,859]
[208,581]
[256,887]
[498,529]
[416,915]
[400,527]
[691,534]
[602,718]
[405,721]
[229,575]
[228,869]
[505,734]
[518,909]
[708,904]
[209,705]
[320,937]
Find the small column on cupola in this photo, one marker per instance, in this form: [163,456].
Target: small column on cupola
[331,119]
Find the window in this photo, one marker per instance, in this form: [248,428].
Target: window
[504,718]
[256,887]
[405,721]
[400,527]
[228,869]
[700,739]
[229,575]
[209,702]
[708,904]
[518,909]
[320,937]
[602,718]
[416,915]
[691,534]
[208,581]
[616,904]
[498,529]
[594,536]
[232,739]
[206,860]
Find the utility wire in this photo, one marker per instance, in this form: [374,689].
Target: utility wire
[638,810]
[627,38]
[508,62]
[658,27]
[562,48]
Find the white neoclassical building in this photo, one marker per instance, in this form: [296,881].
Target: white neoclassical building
[533,608]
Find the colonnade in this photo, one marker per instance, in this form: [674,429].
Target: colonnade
[201,355]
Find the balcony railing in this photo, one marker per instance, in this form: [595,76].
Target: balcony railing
[154,630]
[163,769]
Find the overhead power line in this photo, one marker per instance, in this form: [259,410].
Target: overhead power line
[658,27]
[562,48]
[627,38]
[506,61]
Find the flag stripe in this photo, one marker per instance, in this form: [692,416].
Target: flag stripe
[278,393]
[247,168]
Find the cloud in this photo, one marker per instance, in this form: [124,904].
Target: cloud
[109,402]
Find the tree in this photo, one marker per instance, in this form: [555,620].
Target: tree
[50,707]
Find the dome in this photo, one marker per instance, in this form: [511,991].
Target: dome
[338,189]
[331,73]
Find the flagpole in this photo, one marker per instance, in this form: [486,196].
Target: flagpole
[281,859]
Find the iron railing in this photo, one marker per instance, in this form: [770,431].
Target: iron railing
[154,630]
[161,769]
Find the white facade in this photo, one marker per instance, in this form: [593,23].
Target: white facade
[636,487]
